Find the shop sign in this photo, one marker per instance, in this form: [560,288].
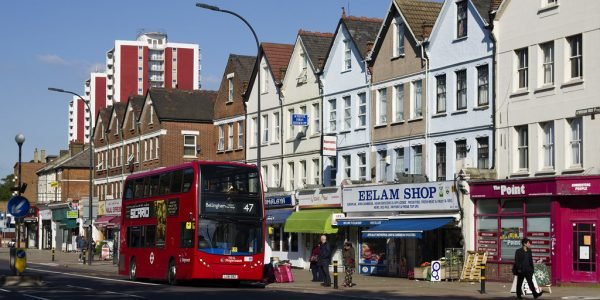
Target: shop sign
[431,196]
[72,214]
[113,207]
[329,145]
[278,201]
[324,197]
[46,214]
[580,185]
[335,217]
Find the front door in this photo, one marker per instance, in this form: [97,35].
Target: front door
[585,260]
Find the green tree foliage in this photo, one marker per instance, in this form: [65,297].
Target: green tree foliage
[6,184]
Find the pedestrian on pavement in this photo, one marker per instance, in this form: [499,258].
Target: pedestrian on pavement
[524,268]
[324,261]
[348,255]
[314,264]
[80,245]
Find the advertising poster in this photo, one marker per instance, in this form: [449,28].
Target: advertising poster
[160,208]
[373,251]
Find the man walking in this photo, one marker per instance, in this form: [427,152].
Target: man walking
[324,260]
[524,268]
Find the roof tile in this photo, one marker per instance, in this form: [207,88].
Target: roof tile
[418,13]
[278,56]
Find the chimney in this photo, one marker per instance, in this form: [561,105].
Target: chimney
[62,153]
[75,147]
[370,46]
[343,12]
[43,155]
[426,30]
[321,63]
[35,156]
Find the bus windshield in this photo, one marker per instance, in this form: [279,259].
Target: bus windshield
[230,190]
[227,236]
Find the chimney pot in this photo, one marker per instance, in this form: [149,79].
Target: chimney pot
[43,155]
[35,156]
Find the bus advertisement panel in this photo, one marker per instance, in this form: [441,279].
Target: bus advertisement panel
[201,220]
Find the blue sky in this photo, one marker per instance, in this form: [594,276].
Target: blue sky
[58,43]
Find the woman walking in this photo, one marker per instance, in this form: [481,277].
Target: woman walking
[314,266]
[348,256]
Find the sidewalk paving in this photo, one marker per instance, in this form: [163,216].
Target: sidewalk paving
[367,287]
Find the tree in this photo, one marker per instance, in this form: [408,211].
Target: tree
[6,184]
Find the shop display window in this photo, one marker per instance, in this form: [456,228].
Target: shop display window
[502,224]
[282,241]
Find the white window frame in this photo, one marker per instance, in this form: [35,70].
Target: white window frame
[461,19]
[417,99]
[461,89]
[276,127]
[575,57]
[291,131]
[483,85]
[265,79]
[547,63]
[303,172]
[347,100]
[440,161]
[398,42]
[316,112]
[221,140]
[188,146]
[230,136]
[291,175]
[254,131]
[440,83]
[362,109]
[483,152]
[240,128]
[399,161]
[382,106]
[576,142]
[265,129]
[316,167]
[332,115]
[398,104]
[522,74]
[156,148]
[383,165]
[276,175]
[347,63]
[461,147]
[548,144]
[362,166]
[417,159]
[522,147]
[230,90]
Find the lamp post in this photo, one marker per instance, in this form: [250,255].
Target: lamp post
[20,139]
[258,118]
[91,186]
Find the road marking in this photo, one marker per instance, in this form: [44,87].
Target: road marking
[94,277]
[129,295]
[47,264]
[7,291]
[80,287]
[34,297]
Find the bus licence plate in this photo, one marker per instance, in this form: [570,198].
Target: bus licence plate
[226,276]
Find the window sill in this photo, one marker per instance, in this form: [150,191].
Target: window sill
[460,39]
[228,150]
[415,119]
[253,147]
[290,140]
[573,169]
[520,173]
[220,151]
[397,123]
[238,149]
[345,131]
[547,8]
[572,82]
[360,129]
[459,112]
[545,171]
[346,71]
[396,57]
[380,126]
[228,102]
[519,92]
[316,135]
[482,107]
[439,115]
[544,88]
[190,156]
[275,143]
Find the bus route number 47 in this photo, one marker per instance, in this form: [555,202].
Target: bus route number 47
[248,208]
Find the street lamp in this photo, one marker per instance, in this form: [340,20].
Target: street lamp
[20,139]
[258,118]
[87,104]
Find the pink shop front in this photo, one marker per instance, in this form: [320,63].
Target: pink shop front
[561,215]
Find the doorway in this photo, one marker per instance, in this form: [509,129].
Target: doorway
[585,262]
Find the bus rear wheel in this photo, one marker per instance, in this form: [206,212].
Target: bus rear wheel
[132,270]
[172,273]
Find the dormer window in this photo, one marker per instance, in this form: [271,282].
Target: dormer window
[461,19]
[265,79]
[398,38]
[230,87]
[347,55]
[303,67]
[151,114]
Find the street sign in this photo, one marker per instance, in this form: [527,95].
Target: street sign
[299,119]
[18,206]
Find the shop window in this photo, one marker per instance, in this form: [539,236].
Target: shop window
[487,207]
[293,241]
[511,234]
[512,206]
[276,239]
[537,205]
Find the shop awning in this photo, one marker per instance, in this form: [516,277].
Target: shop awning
[278,216]
[114,222]
[405,228]
[68,223]
[311,221]
[102,221]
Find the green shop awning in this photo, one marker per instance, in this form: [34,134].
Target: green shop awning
[311,221]
[68,223]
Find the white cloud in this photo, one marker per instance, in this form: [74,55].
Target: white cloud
[52,59]
[96,67]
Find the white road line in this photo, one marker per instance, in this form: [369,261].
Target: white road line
[128,295]
[6,291]
[80,287]
[34,297]
[94,277]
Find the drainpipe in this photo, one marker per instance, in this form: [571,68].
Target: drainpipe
[318,74]
[490,27]
[425,115]
[281,127]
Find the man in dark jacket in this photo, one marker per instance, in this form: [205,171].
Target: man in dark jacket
[524,268]
[324,260]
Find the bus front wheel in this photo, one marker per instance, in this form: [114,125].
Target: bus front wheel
[132,270]
[172,273]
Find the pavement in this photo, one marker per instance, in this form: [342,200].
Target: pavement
[366,287]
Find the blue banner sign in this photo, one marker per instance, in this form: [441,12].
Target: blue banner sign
[388,235]
[278,201]
[300,119]
[362,223]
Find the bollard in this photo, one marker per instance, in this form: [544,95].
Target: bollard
[53,252]
[482,279]
[335,274]
[84,256]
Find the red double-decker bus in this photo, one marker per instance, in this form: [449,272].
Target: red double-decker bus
[199,220]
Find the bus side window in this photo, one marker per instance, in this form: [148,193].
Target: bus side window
[164,186]
[188,179]
[154,186]
[146,187]
[134,236]
[129,190]
[187,235]
[150,236]
[176,181]
[139,188]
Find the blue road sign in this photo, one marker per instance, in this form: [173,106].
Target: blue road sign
[300,119]
[18,206]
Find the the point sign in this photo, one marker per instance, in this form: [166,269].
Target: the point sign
[18,206]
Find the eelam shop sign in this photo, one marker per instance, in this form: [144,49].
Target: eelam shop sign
[431,196]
